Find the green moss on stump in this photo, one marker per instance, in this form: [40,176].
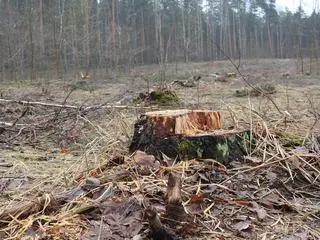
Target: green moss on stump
[187,147]
[223,148]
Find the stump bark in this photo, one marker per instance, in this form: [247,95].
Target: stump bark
[188,134]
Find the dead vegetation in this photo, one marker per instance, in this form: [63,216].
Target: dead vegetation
[66,172]
[258,91]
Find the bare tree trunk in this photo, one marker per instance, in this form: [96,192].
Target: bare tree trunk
[56,50]
[234,38]
[10,61]
[300,43]
[161,47]
[31,44]
[143,38]
[113,33]
[270,39]
[41,34]
[199,35]
[230,36]
[221,28]
[256,41]
[301,56]
[281,40]
[87,34]
[185,38]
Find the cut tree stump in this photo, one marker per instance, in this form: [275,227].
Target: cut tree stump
[189,134]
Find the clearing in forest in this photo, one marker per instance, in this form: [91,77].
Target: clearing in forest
[66,171]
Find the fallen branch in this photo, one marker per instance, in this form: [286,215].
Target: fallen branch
[38,103]
[8,165]
[9,124]
[74,106]
[41,204]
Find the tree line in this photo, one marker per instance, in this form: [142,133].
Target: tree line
[39,36]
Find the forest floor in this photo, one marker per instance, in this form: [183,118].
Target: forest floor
[48,149]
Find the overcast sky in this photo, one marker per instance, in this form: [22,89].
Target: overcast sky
[292,5]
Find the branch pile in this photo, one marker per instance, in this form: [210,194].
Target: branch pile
[34,123]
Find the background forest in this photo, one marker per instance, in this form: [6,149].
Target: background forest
[41,38]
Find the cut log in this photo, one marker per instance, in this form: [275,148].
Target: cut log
[188,134]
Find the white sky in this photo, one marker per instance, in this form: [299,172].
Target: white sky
[292,5]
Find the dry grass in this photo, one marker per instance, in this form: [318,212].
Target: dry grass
[289,176]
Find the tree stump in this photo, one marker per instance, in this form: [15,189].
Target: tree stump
[189,134]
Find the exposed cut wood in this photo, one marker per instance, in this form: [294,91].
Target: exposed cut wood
[183,122]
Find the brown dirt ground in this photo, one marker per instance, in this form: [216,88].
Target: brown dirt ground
[36,169]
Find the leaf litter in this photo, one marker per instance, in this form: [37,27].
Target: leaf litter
[273,193]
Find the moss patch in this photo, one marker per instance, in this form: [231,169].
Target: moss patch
[188,148]
[290,139]
[164,97]
[161,97]
[222,150]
